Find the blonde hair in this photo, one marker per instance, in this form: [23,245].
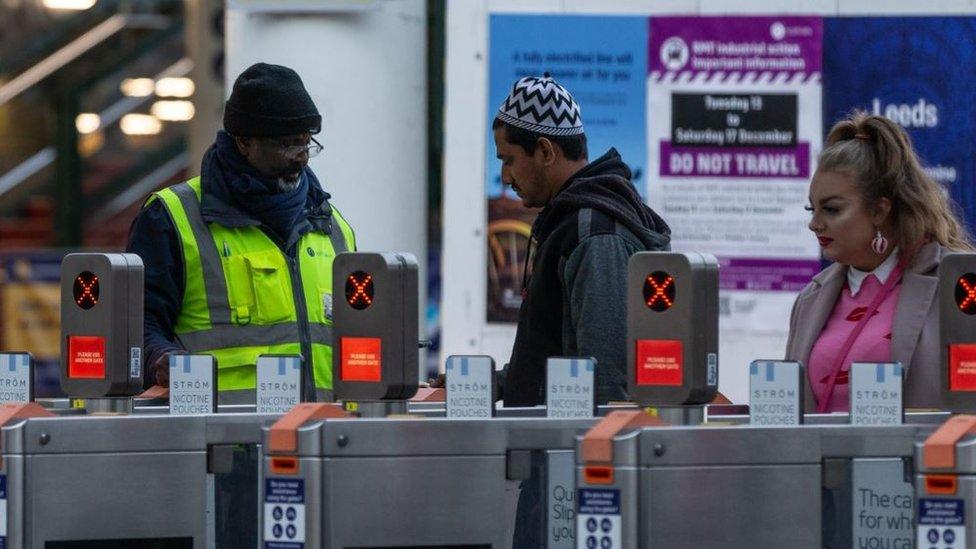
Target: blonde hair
[878,154]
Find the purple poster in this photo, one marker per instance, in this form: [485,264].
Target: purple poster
[734,122]
[734,127]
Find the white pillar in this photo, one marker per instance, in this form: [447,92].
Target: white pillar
[366,72]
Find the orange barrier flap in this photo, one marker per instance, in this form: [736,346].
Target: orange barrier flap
[720,399]
[598,474]
[21,410]
[939,451]
[156,391]
[598,441]
[941,484]
[284,433]
[430,394]
[284,465]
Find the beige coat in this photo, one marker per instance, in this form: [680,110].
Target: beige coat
[914,331]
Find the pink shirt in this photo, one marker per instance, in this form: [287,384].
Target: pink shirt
[872,345]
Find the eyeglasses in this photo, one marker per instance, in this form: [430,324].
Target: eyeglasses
[313,148]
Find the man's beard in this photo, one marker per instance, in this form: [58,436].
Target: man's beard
[287,186]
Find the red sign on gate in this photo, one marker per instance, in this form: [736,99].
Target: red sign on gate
[659,362]
[86,357]
[962,367]
[361,359]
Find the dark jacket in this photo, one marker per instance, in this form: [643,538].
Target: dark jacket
[574,299]
[153,237]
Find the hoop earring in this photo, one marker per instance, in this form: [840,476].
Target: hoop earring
[880,243]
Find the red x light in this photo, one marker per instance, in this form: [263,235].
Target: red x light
[86,290]
[359,290]
[966,293]
[659,291]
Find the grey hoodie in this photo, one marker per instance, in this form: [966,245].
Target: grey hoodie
[575,295]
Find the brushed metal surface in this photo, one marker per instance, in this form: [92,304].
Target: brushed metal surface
[857,441]
[242,428]
[104,434]
[113,496]
[124,477]
[738,445]
[737,507]
[108,405]
[433,481]
[434,436]
[423,501]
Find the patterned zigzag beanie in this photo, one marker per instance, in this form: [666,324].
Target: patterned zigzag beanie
[542,106]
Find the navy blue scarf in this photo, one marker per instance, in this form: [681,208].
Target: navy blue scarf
[232,180]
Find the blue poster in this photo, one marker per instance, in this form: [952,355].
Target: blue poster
[918,71]
[602,61]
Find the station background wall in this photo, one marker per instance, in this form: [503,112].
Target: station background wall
[869,52]
[365,66]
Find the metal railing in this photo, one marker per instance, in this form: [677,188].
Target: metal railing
[76,48]
[48,155]
[86,70]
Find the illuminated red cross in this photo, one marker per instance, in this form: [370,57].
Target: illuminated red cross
[660,290]
[87,289]
[359,289]
[970,289]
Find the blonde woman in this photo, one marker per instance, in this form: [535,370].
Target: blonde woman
[886,225]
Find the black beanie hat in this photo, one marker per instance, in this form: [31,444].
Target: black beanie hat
[268,101]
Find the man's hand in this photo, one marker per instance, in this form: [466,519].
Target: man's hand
[160,370]
[438,382]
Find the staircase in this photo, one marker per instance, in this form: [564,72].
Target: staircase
[58,185]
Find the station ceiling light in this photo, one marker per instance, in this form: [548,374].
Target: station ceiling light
[77,5]
[140,124]
[138,87]
[87,122]
[173,111]
[175,87]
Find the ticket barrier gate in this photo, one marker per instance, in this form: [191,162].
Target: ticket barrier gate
[946,486]
[739,486]
[137,481]
[921,417]
[69,479]
[338,483]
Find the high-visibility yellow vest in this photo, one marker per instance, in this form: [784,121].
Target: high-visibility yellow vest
[245,297]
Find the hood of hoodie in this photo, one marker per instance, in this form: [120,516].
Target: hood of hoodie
[604,185]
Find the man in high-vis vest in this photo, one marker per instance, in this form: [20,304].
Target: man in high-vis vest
[238,261]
